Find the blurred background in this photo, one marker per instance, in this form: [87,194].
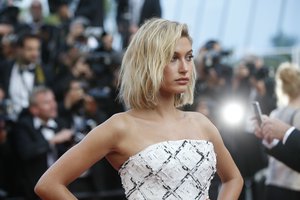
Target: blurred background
[74,48]
[265,27]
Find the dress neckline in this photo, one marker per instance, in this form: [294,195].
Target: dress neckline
[156,144]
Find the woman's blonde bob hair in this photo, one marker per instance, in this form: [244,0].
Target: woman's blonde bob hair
[149,51]
[288,80]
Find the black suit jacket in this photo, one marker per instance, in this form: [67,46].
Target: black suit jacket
[288,153]
[93,10]
[151,8]
[30,149]
[5,74]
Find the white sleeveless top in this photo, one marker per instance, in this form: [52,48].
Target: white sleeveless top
[170,170]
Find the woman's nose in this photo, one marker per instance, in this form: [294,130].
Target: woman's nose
[183,68]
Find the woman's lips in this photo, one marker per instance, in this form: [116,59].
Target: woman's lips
[183,81]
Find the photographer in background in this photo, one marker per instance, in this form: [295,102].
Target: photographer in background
[214,74]
[105,62]
[82,110]
[212,84]
[79,108]
[218,85]
[102,60]
[72,66]
[38,139]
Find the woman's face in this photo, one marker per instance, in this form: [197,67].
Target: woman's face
[177,74]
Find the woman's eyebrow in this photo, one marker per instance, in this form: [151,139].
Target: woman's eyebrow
[190,51]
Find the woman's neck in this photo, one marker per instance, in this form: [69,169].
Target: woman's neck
[165,110]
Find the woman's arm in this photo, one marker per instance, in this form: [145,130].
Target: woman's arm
[99,142]
[232,181]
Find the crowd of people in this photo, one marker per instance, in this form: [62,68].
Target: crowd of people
[59,80]
[58,70]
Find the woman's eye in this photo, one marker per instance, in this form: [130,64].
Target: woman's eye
[190,57]
[174,58]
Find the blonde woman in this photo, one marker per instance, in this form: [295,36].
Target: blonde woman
[159,151]
[283,182]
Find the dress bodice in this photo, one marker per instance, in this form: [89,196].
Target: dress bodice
[170,170]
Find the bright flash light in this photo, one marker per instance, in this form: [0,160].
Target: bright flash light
[232,113]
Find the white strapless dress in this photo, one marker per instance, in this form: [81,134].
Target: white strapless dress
[170,170]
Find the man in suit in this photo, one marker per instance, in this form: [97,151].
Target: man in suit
[282,141]
[19,76]
[93,10]
[132,13]
[38,139]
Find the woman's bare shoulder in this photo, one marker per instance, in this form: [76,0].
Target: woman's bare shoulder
[112,131]
[198,118]
[118,122]
[202,123]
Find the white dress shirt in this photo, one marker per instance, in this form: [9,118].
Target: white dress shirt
[20,87]
[48,133]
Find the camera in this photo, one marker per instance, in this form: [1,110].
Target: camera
[214,56]
[86,126]
[99,62]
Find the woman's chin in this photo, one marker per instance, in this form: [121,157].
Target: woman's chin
[180,92]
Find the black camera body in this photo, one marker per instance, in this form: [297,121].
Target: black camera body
[213,58]
[80,132]
[99,61]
